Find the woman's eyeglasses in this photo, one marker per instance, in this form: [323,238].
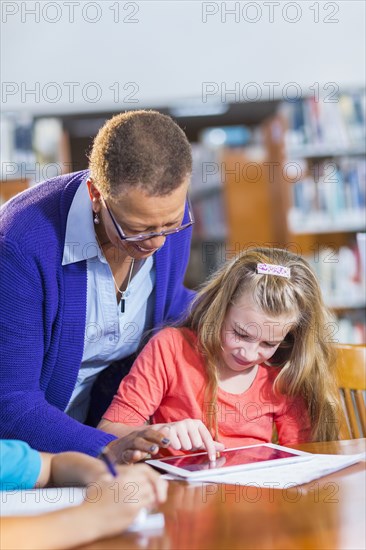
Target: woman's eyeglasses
[146,236]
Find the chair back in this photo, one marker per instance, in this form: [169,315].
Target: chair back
[351,371]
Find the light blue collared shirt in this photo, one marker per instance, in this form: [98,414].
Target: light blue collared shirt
[109,334]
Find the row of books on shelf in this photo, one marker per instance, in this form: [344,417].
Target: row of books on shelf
[335,120]
[205,258]
[342,278]
[350,329]
[210,219]
[341,275]
[206,193]
[32,149]
[206,164]
[210,167]
[330,193]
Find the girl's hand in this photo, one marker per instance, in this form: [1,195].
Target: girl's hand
[190,435]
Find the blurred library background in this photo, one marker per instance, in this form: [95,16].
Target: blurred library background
[273,103]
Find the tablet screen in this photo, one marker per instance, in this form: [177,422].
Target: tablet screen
[234,457]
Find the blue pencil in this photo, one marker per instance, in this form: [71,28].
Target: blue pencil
[104,455]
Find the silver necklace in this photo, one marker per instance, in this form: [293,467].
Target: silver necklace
[121,292]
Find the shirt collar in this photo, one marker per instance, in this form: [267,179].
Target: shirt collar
[80,240]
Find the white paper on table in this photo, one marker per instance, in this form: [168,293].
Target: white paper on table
[39,501]
[32,502]
[284,476]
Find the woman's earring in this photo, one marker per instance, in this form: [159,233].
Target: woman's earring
[96,218]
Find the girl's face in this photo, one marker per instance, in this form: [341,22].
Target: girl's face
[250,337]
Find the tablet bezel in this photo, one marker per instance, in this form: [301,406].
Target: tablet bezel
[163,463]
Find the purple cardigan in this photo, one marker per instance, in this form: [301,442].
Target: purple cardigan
[43,316]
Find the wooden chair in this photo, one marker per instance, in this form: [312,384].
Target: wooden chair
[351,370]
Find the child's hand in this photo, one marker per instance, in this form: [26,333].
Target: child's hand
[116,501]
[190,435]
[79,469]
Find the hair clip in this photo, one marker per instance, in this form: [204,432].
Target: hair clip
[271,269]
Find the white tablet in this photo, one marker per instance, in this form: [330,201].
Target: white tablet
[265,455]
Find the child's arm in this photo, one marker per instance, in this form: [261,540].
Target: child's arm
[68,469]
[137,399]
[187,435]
[139,396]
[118,429]
[141,392]
[75,469]
[106,516]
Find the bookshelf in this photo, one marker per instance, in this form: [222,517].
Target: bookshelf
[306,193]
[225,189]
[324,146]
[32,150]
[210,228]
[297,181]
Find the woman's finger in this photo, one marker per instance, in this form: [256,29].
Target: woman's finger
[130,456]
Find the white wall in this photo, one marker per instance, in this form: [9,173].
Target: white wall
[169,52]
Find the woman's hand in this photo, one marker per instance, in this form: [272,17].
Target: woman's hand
[138,445]
[190,435]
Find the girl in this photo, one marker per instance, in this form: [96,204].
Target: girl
[253,354]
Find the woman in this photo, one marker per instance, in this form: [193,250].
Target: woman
[91,260]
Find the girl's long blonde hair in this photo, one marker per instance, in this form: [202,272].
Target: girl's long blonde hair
[306,357]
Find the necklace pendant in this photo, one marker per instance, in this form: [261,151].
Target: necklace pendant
[123,292]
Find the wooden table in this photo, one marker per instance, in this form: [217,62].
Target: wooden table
[328,513]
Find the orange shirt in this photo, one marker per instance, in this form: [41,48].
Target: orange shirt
[167,383]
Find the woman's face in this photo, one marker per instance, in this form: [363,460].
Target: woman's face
[136,212]
[249,336]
